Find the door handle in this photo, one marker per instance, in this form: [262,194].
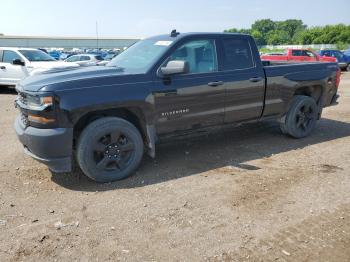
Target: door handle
[255,79]
[170,92]
[216,83]
[3,67]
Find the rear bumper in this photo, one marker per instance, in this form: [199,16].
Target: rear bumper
[52,147]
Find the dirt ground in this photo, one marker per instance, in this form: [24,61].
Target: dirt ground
[245,194]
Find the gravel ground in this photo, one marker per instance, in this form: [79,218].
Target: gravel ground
[244,194]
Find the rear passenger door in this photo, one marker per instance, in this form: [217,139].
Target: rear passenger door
[243,78]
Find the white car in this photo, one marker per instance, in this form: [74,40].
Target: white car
[85,59]
[18,63]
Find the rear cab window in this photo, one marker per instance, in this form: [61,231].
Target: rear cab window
[237,54]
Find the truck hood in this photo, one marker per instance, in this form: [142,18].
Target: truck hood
[57,79]
[39,67]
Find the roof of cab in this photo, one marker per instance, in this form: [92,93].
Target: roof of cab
[182,35]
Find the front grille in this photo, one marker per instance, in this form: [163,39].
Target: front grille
[24,119]
[22,98]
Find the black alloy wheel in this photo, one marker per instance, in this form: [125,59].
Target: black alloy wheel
[109,149]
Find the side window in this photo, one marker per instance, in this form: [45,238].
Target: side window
[69,59]
[297,53]
[308,53]
[84,58]
[73,59]
[337,55]
[9,56]
[200,55]
[237,54]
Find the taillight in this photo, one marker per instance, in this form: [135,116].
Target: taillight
[337,81]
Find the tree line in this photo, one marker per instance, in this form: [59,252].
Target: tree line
[294,31]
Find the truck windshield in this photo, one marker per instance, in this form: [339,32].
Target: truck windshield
[36,55]
[140,57]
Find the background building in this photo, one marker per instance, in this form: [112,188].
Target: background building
[66,42]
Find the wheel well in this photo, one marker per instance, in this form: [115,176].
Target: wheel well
[133,114]
[312,91]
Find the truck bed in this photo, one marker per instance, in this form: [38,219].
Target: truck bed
[283,79]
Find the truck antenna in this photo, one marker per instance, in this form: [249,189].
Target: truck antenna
[97,35]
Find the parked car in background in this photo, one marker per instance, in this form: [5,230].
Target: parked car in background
[85,59]
[299,55]
[55,54]
[18,63]
[43,49]
[347,52]
[343,60]
[108,58]
[65,55]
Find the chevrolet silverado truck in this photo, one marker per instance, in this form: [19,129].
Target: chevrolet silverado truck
[106,118]
[301,55]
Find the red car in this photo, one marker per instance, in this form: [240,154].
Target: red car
[298,55]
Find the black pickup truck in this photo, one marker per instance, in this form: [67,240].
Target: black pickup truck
[107,117]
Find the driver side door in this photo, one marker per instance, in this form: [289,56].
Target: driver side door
[194,99]
[10,74]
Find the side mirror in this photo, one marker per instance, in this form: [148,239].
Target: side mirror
[175,67]
[18,62]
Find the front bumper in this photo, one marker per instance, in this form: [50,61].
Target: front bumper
[342,65]
[52,147]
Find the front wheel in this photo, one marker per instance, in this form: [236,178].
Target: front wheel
[301,117]
[109,149]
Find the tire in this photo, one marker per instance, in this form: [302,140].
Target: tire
[301,117]
[348,68]
[109,149]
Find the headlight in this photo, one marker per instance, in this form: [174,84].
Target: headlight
[38,102]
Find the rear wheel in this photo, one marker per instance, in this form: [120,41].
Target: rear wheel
[301,117]
[348,68]
[109,149]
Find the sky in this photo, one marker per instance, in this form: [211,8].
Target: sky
[142,18]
